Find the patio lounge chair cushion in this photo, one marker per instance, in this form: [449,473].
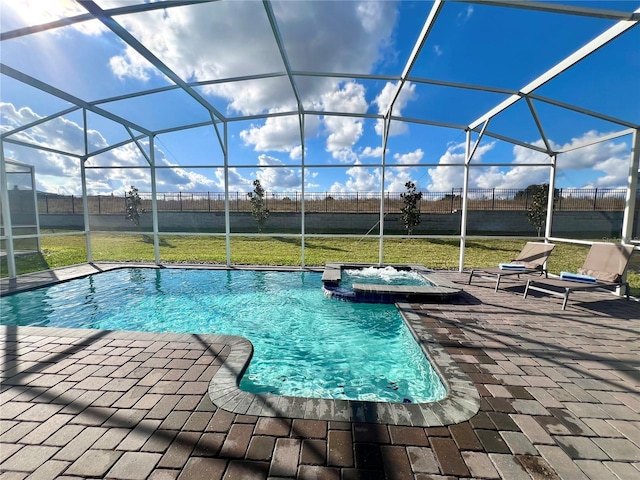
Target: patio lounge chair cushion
[577,277]
[513,266]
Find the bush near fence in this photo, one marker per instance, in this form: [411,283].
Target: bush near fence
[601,199]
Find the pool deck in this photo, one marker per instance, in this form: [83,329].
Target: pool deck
[558,399]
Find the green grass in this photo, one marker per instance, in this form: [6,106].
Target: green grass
[66,250]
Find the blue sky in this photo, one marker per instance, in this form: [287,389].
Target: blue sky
[479,45]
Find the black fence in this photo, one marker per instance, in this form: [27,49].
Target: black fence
[601,199]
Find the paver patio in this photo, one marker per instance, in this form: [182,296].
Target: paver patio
[559,399]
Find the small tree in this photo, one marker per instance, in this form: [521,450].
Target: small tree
[259,211]
[410,208]
[133,205]
[538,201]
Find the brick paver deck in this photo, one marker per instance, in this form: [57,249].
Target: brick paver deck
[559,399]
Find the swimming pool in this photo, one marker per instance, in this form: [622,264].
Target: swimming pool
[305,344]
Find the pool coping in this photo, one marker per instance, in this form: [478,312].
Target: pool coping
[461,402]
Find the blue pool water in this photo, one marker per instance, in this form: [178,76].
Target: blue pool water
[304,343]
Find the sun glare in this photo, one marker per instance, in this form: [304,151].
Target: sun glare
[37,12]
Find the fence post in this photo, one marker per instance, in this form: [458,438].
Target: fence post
[357,203]
[180,200]
[493,199]
[208,202]
[559,200]
[99,209]
[73,204]
[595,199]
[46,202]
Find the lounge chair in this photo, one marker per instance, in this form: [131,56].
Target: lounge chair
[531,259]
[604,267]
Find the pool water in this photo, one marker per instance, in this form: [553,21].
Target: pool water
[304,343]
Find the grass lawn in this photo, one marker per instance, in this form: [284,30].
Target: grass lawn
[66,250]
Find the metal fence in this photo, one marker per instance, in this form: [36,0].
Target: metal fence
[602,199]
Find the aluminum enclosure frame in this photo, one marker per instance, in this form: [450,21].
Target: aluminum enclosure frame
[220,122]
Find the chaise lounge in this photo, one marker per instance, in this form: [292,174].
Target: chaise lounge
[603,268]
[531,259]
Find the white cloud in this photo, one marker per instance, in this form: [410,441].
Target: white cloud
[278,134]
[359,179]
[281,134]
[237,183]
[383,100]
[344,132]
[296,153]
[345,155]
[58,173]
[409,158]
[616,173]
[465,15]
[277,179]
[396,178]
[371,152]
[216,40]
[131,65]
[516,177]
[59,133]
[445,178]
[438,50]
[371,14]
[593,156]
[610,158]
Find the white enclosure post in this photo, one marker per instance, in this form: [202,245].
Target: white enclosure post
[154,200]
[551,197]
[83,181]
[465,190]
[302,190]
[85,207]
[385,136]
[227,220]
[35,202]
[6,214]
[632,191]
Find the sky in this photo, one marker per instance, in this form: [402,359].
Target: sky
[477,45]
